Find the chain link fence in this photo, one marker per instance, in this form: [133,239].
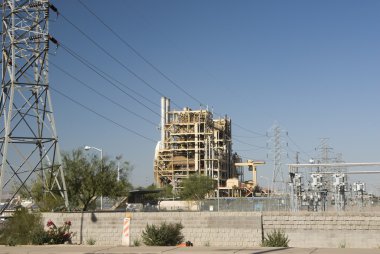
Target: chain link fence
[249,204]
[263,204]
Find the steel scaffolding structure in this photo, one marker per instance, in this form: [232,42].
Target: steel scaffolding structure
[29,143]
[192,142]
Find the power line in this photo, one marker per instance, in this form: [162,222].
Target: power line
[242,142]
[93,111]
[113,58]
[139,54]
[88,63]
[100,94]
[248,130]
[296,155]
[241,127]
[102,116]
[145,60]
[301,150]
[153,66]
[250,137]
[248,150]
[91,67]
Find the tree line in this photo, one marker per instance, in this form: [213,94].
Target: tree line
[88,177]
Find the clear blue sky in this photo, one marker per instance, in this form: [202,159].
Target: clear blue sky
[311,66]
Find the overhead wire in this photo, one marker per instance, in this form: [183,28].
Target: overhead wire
[295,153]
[301,150]
[98,114]
[100,94]
[139,54]
[113,57]
[102,116]
[107,75]
[91,67]
[249,137]
[248,150]
[126,43]
[248,130]
[248,144]
[87,63]
[135,74]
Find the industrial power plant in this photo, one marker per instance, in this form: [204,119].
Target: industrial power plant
[192,142]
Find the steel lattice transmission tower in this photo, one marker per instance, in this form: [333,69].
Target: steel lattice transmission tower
[28,140]
[278,182]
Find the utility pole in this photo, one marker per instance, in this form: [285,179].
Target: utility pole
[28,139]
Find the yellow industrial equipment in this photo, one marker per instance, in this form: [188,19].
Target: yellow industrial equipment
[251,167]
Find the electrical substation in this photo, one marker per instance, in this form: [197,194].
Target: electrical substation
[326,186]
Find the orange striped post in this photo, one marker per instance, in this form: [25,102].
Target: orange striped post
[126,229]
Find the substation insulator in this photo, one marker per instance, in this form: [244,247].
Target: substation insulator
[53,8]
[35,37]
[36,5]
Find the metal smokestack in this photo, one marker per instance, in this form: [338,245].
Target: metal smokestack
[167,109]
[163,120]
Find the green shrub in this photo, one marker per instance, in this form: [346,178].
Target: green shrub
[40,237]
[163,235]
[11,242]
[276,238]
[91,241]
[26,228]
[136,243]
[21,228]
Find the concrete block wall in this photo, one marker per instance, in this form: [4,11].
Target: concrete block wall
[327,230]
[105,228]
[206,228]
[244,229]
[201,228]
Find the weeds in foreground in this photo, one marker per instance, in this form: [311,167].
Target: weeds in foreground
[91,241]
[276,238]
[136,242]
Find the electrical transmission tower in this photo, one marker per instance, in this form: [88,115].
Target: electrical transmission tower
[278,182]
[28,140]
[325,153]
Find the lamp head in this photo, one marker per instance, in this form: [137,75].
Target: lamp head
[87,148]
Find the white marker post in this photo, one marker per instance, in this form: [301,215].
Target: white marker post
[126,229]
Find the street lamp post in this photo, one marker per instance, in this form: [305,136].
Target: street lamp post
[118,158]
[101,168]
